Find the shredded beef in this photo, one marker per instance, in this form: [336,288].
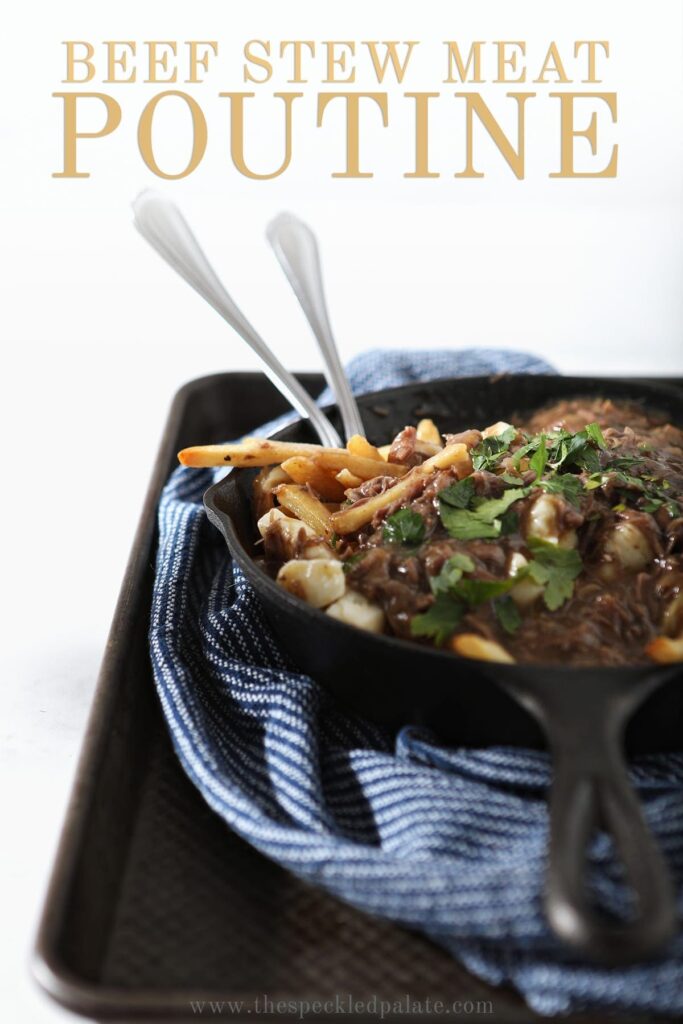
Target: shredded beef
[370,488]
[397,583]
[404,448]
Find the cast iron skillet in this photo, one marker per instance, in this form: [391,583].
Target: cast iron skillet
[582,713]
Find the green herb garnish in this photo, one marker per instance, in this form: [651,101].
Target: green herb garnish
[532,443]
[651,490]
[561,450]
[594,434]
[439,621]
[538,460]
[460,494]
[509,523]
[405,527]
[488,452]
[555,569]
[451,573]
[482,521]
[455,594]
[474,592]
[508,615]
[567,484]
[578,450]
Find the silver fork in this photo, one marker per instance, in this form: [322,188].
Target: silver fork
[296,248]
[162,224]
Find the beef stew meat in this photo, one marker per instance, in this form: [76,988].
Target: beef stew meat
[564,543]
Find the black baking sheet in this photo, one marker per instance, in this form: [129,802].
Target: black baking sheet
[155,909]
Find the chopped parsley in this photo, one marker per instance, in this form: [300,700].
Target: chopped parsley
[651,490]
[460,494]
[474,592]
[508,615]
[538,460]
[579,450]
[595,434]
[509,523]
[555,569]
[454,595]
[566,484]
[440,619]
[490,449]
[451,573]
[481,521]
[532,443]
[562,450]
[653,504]
[405,527]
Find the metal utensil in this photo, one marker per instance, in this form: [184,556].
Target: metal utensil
[162,224]
[296,248]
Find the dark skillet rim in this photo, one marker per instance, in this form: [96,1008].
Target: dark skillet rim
[298,605]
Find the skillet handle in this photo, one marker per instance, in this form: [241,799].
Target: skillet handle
[591,789]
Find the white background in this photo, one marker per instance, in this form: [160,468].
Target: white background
[98,334]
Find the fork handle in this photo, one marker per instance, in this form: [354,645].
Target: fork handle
[296,248]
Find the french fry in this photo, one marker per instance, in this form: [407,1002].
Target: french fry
[427,430]
[271,477]
[666,649]
[306,507]
[364,468]
[384,451]
[347,479]
[427,448]
[359,445]
[470,645]
[350,519]
[303,470]
[253,451]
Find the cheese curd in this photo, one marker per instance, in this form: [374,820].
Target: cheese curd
[629,547]
[317,581]
[544,522]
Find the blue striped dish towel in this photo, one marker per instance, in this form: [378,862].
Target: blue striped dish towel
[451,842]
